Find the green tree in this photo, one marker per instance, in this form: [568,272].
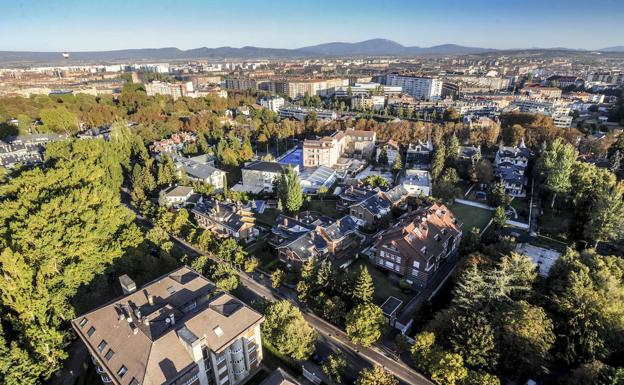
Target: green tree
[286,329]
[497,197]
[376,376]
[397,165]
[364,288]
[290,191]
[556,163]
[181,223]
[499,220]
[452,150]
[423,350]
[365,323]
[606,216]
[448,369]
[166,171]
[481,378]
[374,181]
[60,227]
[382,158]
[230,251]
[437,164]
[59,120]
[445,188]
[473,337]
[224,277]
[277,277]
[250,264]
[335,366]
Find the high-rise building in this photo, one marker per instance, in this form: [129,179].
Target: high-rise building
[177,329]
[418,87]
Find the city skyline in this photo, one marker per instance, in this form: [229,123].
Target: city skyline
[280,24]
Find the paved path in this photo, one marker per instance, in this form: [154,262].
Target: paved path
[372,355]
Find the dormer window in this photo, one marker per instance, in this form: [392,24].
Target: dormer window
[102,346]
[109,354]
[83,322]
[90,331]
[122,371]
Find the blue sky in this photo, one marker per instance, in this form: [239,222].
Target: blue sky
[83,25]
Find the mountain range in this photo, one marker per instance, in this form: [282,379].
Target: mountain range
[373,47]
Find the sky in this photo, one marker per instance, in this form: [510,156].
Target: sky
[97,25]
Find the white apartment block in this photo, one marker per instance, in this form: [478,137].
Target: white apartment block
[418,87]
[273,103]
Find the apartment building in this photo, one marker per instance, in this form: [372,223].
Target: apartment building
[178,329]
[365,89]
[418,244]
[273,103]
[327,150]
[301,113]
[417,86]
[241,84]
[175,90]
[322,87]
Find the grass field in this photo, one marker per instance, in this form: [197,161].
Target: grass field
[555,224]
[471,216]
[267,218]
[383,286]
[325,207]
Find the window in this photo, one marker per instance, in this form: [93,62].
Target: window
[109,354]
[102,346]
[83,322]
[171,290]
[122,371]
[416,264]
[90,331]
[134,381]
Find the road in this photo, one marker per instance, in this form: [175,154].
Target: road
[372,355]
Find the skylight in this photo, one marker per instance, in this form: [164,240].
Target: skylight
[218,331]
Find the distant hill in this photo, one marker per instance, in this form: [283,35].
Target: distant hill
[372,47]
[617,48]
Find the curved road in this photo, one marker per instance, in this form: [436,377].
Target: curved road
[372,355]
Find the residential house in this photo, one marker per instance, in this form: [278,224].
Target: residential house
[178,329]
[175,196]
[418,154]
[312,179]
[311,235]
[392,150]
[371,211]
[226,219]
[510,165]
[174,144]
[419,244]
[261,175]
[417,182]
[201,168]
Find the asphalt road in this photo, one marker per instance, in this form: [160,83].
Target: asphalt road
[373,355]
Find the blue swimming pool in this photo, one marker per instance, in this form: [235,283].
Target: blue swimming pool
[295,157]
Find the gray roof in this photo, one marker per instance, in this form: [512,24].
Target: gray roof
[177,191]
[265,166]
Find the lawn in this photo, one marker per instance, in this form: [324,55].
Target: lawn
[555,224]
[471,216]
[384,287]
[267,218]
[522,208]
[267,260]
[325,207]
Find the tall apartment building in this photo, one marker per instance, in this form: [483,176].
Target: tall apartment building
[324,87]
[418,87]
[175,90]
[241,84]
[327,150]
[273,103]
[177,329]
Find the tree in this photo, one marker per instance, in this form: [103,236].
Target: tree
[437,164]
[499,220]
[585,291]
[181,223]
[376,376]
[452,150]
[224,277]
[323,274]
[445,187]
[526,339]
[382,158]
[423,350]
[290,191]
[60,226]
[365,323]
[230,251]
[497,195]
[59,120]
[484,171]
[331,308]
[556,164]
[364,288]
[448,369]
[322,191]
[606,216]
[277,277]
[335,366]
[250,264]
[375,180]
[205,240]
[166,174]
[397,165]
[286,329]
[481,378]
[472,337]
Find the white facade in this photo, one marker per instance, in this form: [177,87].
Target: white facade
[418,87]
[273,103]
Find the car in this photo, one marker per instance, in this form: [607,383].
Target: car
[317,359]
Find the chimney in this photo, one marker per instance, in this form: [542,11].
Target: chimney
[172,318]
[150,299]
